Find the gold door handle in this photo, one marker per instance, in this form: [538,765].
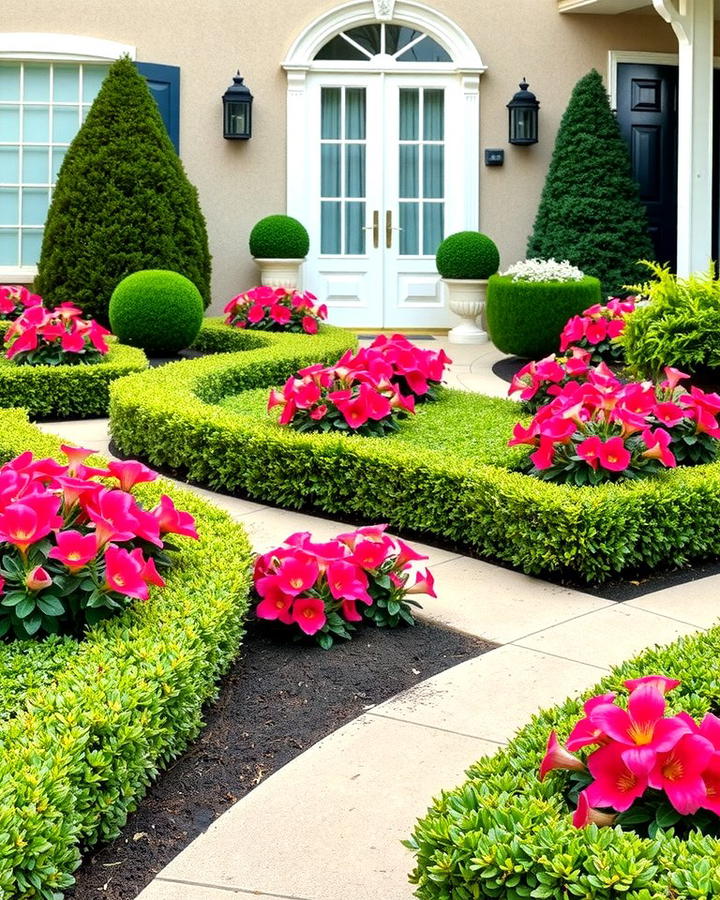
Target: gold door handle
[389,228]
[375,228]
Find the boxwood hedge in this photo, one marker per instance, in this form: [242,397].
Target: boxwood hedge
[65,392]
[172,417]
[86,726]
[503,833]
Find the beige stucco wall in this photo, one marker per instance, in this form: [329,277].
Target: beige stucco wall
[240,182]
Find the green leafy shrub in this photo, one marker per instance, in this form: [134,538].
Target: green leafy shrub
[526,318]
[157,310]
[467,254]
[102,717]
[122,203]
[279,237]
[504,833]
[172,417]
[590,210]
[67,391]
[679,327]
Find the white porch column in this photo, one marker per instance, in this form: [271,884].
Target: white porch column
[693,23]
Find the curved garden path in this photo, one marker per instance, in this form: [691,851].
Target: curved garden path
[328,825]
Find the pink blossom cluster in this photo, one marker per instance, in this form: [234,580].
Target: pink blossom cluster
[317,586]
[640,748]
[538,382]
[73,549]
[55,336]
[276,309]
[602,429]
[15,299]
[596,329]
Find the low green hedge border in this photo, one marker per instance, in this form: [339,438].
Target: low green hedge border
[87,738]
[170,417]
[503,833]
[66,392]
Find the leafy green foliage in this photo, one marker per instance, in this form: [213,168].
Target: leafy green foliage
[122,203]
[526,318]
[171,417]
[279,237]
[590,211]
[97,720]
[157,310]
[505,834]
[679,327]
[467,254]
[67,391]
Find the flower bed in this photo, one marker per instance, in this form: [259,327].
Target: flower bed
[504,833]
[445,474]
[88,725]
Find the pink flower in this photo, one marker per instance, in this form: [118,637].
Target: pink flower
[38,579]
[256,313]
[74,550]
[309,324]
[347,581]
[544,456]
[586,815]
[25,523]
[589,450]
[615,785]
[673,377]
[424,584]
[596,331]
[296,573]
[613,455]
[679,772]
[586,732]
[369,554]
[124,573]
[309,614]
[280,314]
[659,682]
[130,472]
[76,457]
[171,520]
[557,757]
[668,413]
[275,605]
[657,443]
[113,514]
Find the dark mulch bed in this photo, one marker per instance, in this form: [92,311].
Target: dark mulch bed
[508,367]
[278,700]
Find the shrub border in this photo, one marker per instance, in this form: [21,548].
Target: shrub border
[503,833]
[82,751]
[167,416]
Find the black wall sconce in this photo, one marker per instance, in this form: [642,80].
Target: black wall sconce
[237,111]
[523,110]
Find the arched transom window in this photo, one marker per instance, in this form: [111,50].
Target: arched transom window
[400,43]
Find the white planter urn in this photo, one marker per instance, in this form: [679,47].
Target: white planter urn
[277,273]
[466,298]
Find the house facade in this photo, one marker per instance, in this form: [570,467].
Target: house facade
[371,121]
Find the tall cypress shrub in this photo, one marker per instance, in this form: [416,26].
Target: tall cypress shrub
[122,203]
[590,211]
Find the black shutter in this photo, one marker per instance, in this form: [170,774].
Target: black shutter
[164,84]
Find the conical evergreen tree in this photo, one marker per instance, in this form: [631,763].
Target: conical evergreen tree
[122,203]
[590,210]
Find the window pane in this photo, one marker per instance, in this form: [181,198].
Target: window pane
[426,50]
[409,229]
[36,127]
[409,106]
[355,170]
[433,170]
[368,36]
[330,103]
[35,165]
[66,84]
[92,78]
[330,170]
[9,165]
[409,181]
[434,115]
[65,124]
[339,48]
[10,82]
[354,232]
[433,226]
[34,206]
[37,82]
[9,214]
[330,227]
[58,155]
[397,36]
[31,244]
[10,123]
[8,248]
[355,114]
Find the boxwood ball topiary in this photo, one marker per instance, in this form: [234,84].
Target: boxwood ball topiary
[526,318]
[279,237]
[467,254]
[157,310]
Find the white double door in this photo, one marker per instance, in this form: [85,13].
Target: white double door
[384,186]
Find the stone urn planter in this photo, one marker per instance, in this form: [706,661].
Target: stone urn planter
[466,298]
[465,261]
[279,245]
[277,273]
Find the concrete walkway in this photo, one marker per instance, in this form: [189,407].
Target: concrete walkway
[328,825]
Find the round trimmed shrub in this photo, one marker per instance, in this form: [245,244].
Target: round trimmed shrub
[526,318]
[279,237]
[467,254]
[158,310]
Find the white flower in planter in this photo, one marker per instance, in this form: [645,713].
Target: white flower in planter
[544,270]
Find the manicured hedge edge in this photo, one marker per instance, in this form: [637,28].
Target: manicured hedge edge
[63,392]
[167,416]
[505,834]
[83,750]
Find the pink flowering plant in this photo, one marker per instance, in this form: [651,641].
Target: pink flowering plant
[324,589]
[55,337]
[647,769]
[276,309]
[417,371]
[604,430]
[75,550]
[14,300]
[538,383]
[596,329]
